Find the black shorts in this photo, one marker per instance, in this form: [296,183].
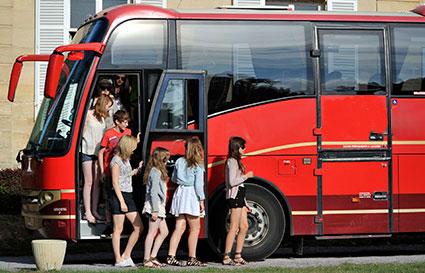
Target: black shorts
[115,203]
[239,201]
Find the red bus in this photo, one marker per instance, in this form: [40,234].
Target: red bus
[332,106]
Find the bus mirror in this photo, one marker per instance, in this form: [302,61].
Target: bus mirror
[54,70]
[76,55]
[14,79]
[17,68]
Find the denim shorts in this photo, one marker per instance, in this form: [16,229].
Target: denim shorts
[86,157]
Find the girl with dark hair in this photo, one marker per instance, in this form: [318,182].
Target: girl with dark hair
[188,200]
[235,194]
[122,91]
[156,194]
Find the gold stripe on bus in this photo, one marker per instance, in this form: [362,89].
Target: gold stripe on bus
[50,217]
[68,191]
[409,210]
[408,142]
[306,144]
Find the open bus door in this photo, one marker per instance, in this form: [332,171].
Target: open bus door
[354,189]
[178,112]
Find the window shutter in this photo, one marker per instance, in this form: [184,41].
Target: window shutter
[249,3]
[52,24]
[342,5]
[158,3]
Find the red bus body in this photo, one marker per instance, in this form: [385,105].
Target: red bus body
[359,195]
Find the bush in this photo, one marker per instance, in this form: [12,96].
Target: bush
[10,191]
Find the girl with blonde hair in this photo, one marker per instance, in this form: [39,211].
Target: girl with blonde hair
[94,128]
[188,200]
[156,194]
[121,200]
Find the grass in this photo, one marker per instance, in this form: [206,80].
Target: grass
[344,268]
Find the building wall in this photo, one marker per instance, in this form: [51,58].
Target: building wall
[16,38]
[388,5]
[197,4]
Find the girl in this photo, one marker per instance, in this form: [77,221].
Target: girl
[188,200]
[121,200]
[94,128]
[156,193]
[235,195]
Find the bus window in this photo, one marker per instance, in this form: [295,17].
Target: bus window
[179,108]
[136,43]
[247,62]
[352,62]
[408,61]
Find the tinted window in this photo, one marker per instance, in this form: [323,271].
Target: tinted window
[135,44]
[409,61]
[352,61]
[247,62]
[180,105]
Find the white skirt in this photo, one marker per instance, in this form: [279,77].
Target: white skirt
[185,201]
[147,208]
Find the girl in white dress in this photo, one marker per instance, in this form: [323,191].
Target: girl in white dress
[188,200]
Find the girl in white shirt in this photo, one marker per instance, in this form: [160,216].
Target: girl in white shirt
[94,128]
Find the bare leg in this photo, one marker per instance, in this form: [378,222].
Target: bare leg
[116,236]
[163,233]
[194,225]
[243,229]
[177,234]
[135,220]
[95,190]
[153,229]
[88,183]
[234,227]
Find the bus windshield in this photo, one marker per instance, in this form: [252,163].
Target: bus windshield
[52,130]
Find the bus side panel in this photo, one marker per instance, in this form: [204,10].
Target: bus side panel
[408,117]
[411,208]
[281,149]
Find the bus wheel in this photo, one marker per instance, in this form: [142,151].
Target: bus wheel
[266,223]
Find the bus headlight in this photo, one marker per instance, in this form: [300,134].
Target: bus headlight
[47,197]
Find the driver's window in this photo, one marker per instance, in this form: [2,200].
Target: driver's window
[180,106]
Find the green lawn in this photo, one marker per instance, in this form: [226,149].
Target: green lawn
[345,268]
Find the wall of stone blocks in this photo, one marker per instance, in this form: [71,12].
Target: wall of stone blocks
[388,5]
[16,38]
[197,4]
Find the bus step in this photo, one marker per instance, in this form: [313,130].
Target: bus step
[364,236]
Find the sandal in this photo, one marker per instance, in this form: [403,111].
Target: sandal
[239,260]
[149,264]
[227,260]
[171,260]
[192,261]
[155,261]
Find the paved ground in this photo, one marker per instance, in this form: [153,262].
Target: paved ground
[315,254]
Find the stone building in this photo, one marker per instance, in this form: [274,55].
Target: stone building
[38,26]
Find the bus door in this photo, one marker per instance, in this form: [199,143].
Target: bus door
[352,132]
[178,112]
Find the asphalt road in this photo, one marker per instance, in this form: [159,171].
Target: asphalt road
[315,254]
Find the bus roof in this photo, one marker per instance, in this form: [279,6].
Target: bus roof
[122,13]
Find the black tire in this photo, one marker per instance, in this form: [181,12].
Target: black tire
[266,223]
